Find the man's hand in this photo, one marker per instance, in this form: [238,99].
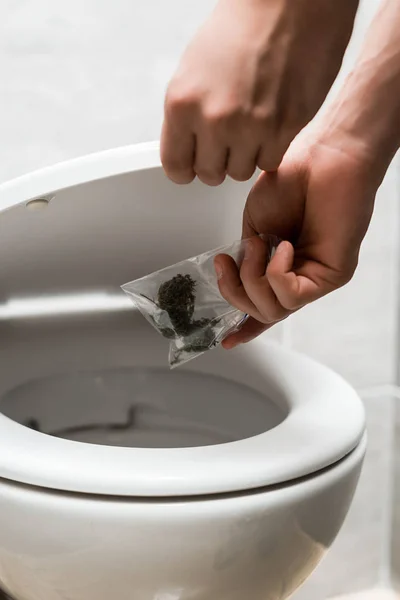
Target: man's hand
[255,74]
[320,203]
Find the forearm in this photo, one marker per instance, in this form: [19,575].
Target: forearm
[366,114]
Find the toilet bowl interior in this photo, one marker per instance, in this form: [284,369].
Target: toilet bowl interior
[142,407]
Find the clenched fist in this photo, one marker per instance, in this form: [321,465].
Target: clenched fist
[254,75]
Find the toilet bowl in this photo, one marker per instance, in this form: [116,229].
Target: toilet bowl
[228,478]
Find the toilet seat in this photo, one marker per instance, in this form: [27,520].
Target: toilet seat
[325,422]
[325,419]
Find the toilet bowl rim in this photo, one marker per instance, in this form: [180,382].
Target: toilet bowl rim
[325,422]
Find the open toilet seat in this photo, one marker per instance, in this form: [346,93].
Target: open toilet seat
[324,416]
[324,423]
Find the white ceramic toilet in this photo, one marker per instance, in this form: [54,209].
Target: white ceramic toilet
[226,479]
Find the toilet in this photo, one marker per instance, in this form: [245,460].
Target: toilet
[225,479]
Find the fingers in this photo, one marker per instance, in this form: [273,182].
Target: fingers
[267,291]
[177,152]
[242,161]
[206,143]
[268,160]
[184,156]
[250,330]
[255,282]
[231,286]
[248,289]
[211,158]
[293,289]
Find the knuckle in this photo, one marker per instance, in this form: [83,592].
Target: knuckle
[221,113]
[180,98]
[264,117]
[215,116]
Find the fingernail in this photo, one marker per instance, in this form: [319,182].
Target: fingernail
[281,248]
[218,270]
[248,249]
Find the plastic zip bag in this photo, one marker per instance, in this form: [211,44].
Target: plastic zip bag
[184,304]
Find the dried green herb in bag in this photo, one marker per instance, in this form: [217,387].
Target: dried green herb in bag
[184,304]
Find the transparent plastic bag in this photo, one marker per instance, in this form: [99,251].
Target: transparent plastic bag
[184,304]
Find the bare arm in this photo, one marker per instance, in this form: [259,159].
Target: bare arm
[366,114]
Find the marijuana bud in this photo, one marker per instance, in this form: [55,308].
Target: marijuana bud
[177,297]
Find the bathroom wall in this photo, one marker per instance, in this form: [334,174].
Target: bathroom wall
[80,76]
[87,75]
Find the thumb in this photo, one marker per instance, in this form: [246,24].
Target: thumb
[293,289]
[275,205]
